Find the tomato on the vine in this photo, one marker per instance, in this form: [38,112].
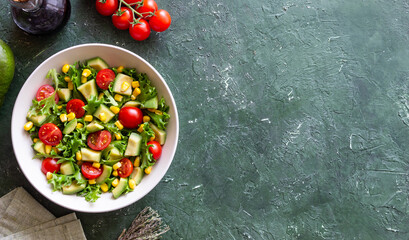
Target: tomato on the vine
[106,7]
[140,30]
[155,148]
[148,7]
[160,21]
[122,18]
[50,165]
[50,134]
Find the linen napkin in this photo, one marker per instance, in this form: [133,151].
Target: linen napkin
[22,217]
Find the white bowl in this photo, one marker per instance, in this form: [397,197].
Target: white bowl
[115,56]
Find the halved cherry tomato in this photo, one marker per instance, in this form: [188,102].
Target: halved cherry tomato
[99,140]
[50,134]
[122,19]
[140,31]
[104,78]
[45,91]
[130,117]
[148,7]
[160,21]
[155,149]
[126,168]
[76,106]
[89,171]
[106,7]
[50,165]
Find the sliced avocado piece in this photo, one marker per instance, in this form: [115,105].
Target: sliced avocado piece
[37,120]
[132,104]
[137,175]
[106,172]
[71,125]
[94,126]
[114,154]
[88,89]
[73,188]
[90,155]
[160,135]
[64,94]
[151,103]
[39,147]
[120,188]
[104,109]
[97,63]
[119,80]
[67,168]
[134,145]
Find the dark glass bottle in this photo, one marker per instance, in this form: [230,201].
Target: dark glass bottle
[40,16]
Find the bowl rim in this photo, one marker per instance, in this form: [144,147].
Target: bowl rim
[175,119]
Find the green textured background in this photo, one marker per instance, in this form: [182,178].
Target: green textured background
[294,117]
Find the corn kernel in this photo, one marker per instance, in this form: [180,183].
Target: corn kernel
[104,187]
[80,125]
[118,97]
[148,170]
[117,165]
[63,117]
[140,129]
[83,79]
[151,109]
[152,138]
[49,175]
[135,84]
[88,118]
[132,183]
[114,109]
[101,95]
[70,116]
[117,136]
[158,112]
[35,140]
[65,68]
[125,86]
[70,85]
[67,79]
[78,156]
[136,92]
[59,106]
[48,149]
[137,162]
[92,181]
[86,72]
[146,118]
[28,126]
[115,182]
[102,116]
[96,165]
[120,69]
[115,173]
[133,97]
[119,125]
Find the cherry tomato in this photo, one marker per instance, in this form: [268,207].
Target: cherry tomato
[148,7]
[155,149]
[89,171]
[99,140]
[122,19]
[126,168]
[104,78]
[50,165]
[76,106]
[160,21]
[50,134]
[133,3]
[130,117]
[45,91]
[140,31]
[106,7]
